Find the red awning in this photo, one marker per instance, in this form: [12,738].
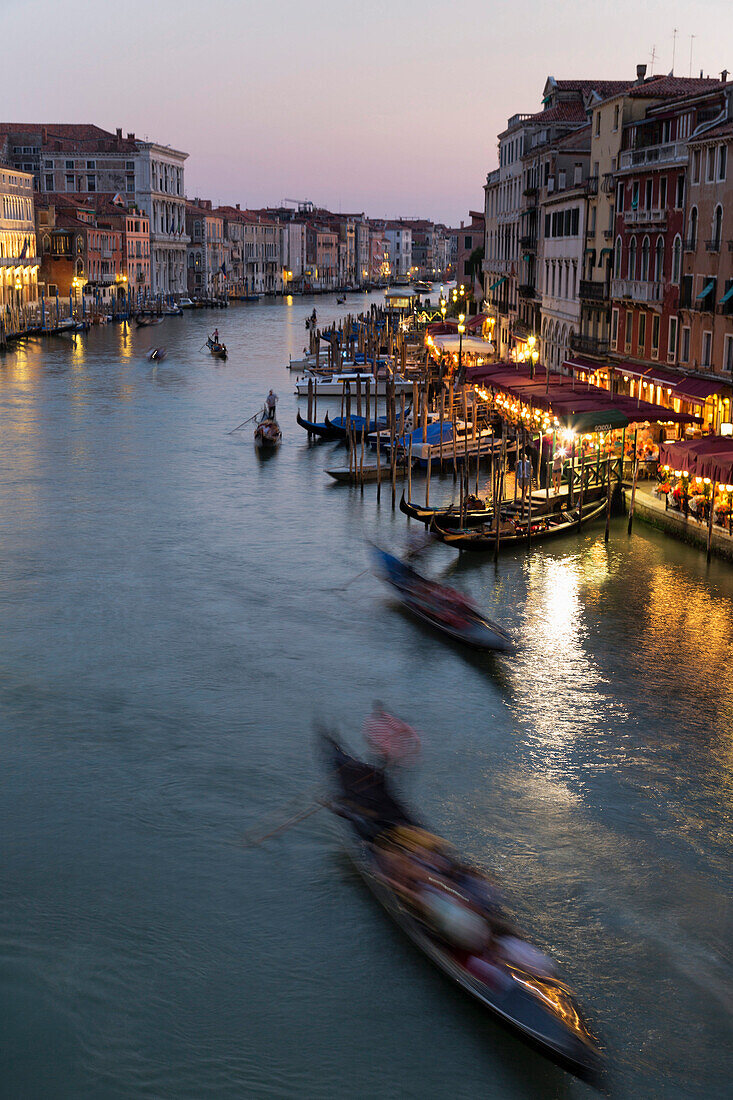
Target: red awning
[698,390]
[635,370]
[711,456]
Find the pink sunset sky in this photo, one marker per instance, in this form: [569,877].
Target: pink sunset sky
[388,108]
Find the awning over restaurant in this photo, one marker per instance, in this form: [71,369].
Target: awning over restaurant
[580,365]
[711,456]
[471,345]
[584,408]
[698,390]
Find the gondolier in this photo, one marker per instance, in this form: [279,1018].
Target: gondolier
[271,405]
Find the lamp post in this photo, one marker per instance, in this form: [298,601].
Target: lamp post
[461,330]
[533,354]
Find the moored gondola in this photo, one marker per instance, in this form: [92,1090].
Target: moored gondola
[341,425]
[447,517]
[325,431]
[441,607]
[514,532]
[452,913]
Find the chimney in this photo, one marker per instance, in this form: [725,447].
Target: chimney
[44,135]
[237,206]
[724,76]
[119,131]
[640,73]
[130,137]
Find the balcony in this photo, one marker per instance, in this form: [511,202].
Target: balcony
[608,186]
[637,290]
[634,219]
[588,345]
[675,153]
[690,245]
[712,246]
[593,291]
[526,290]
[530,192]
[140,277]
[590,186]
[496,267]
[529,241]
[607,234]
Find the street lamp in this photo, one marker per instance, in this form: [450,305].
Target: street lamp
[461,330]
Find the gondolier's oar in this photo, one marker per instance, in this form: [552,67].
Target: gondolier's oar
[254,841]
[254,415]
[341,587]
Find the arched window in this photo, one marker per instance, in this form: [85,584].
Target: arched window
[659,260]
[631,271]
[677,259]
[644,260]
[617,259]
[717,227]
[693,228]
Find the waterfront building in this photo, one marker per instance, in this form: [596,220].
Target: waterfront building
[609,120]
[321,257]
[399,248]
[528,151]
[206,266]
[137,252]
[665,298]
[73,159]
[705,331]
[563,210]
[160,192]
[19,261]
[424,264]
[464,242]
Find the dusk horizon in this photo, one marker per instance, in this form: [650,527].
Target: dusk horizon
[394,114]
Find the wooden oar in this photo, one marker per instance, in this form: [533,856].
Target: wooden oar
[243,423]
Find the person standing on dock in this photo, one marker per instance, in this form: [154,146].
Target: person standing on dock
[557,470]
[524,473]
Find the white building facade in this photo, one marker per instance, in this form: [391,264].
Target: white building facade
[160,192]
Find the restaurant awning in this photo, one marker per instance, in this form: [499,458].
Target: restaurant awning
[633,370]
[698,389]
[704,293]
[711,456]
[471,345]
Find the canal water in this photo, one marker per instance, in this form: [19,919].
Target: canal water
[175,615]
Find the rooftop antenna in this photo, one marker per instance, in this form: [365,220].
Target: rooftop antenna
[653,56]
[674,47]
[692,39]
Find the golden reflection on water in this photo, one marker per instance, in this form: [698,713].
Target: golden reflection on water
[558,688]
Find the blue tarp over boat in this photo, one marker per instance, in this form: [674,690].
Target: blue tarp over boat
[432,435]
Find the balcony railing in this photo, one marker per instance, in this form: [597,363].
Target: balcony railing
[607,234]
[645,217]
[530,192]
[608,186]
[496,267]
[653,154]
[528,241]
[526,290]
[637,290]
[593,291]
[589,345]
[713,246]
[591,185]
[690,245]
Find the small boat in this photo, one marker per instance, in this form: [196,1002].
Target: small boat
[444,608]
[156,355]
[513,532]
[421,285]
[342,424]
[368,472]
[173,311]
[325,431]
[267,434]
[472,516]
[335,384]
[147,322]
[219,351]
[340,301]
[185,303]
[509,976]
